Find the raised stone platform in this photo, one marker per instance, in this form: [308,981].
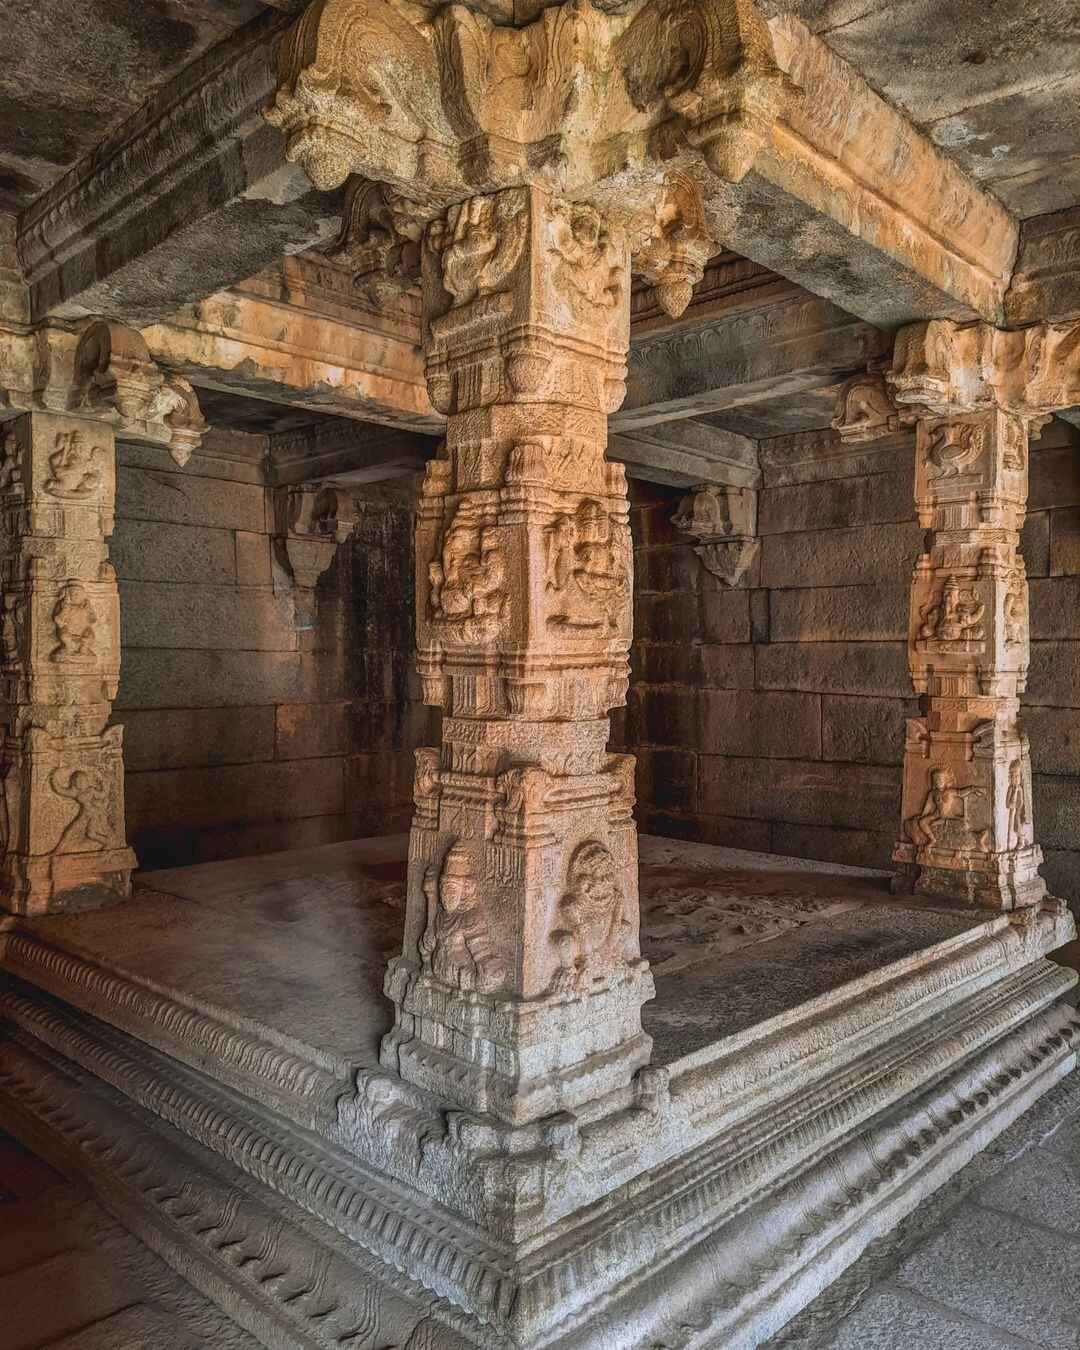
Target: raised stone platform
[824,1055]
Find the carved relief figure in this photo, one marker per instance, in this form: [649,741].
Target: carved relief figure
[468,582]
[1016,610]
[73,466]
[481,242]
[955,617]
[1016,805]
[592,941]
[865,412]
[587,271]
[456,946]
[10,461]
[954,449]
[74,619]
[91,826]
[11,627]
[587,567]
[945,803]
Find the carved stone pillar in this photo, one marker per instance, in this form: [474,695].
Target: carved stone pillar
[62,811]
[520,982]
[67,397]
[967,828]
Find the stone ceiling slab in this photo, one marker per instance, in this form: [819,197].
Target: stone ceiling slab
[994,85]
[71,73]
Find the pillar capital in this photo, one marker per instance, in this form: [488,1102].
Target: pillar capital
[104,373]
[942,368]
[645,109]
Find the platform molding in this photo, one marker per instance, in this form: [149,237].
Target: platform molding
[862,1050]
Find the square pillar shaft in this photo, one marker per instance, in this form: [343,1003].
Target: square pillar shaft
[967,824]
[62,805]
[520,983]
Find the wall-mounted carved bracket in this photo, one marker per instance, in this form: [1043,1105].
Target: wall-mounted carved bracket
[313,520]
[865,410]
[103,373]
[723,521]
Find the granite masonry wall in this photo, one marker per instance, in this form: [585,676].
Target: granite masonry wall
[772,716]
[254,723]
[767,717]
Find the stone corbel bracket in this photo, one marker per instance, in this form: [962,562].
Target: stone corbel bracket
[313,520]
[944,367]
[723,521]
[865,410]
[643,113]
[104,373]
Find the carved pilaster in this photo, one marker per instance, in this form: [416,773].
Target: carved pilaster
[62,808]
[967,824]
[520,982]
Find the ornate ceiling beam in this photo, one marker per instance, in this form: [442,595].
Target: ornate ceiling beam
[799,164]
[189,195]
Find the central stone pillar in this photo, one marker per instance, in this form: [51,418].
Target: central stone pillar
[967,829]
[520,983]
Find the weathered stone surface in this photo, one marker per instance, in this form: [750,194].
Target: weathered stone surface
[865,730]
[1013,1276]
[867,613]
[252,559]
[146,550]
[895,1319]
[192,617]
[760,724]
[835,668]
[881,498]
[236,794]
[1046,280]
[1055,739]
[1057,807]
[172,738]
[833,843]
[308,730]
[216,679]
[1054,676]
[184,499]
[860,796]
[867,555]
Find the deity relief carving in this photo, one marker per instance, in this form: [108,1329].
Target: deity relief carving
[589,271]
[456,946]
[1016,609]
[587,567]
[481,243]
[74,619]
[74,467]
[865,410]
[468,580]
[11,625]
[91,827]
[592,939]
[956,615]
[944,821]
[954,449]
[10,460]
[1016,807]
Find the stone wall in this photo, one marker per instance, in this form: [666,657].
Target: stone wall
[771,717]
[253,723]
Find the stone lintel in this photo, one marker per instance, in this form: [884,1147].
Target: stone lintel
[686,453]
[797,343]
[1046,283]
[850,199]
[188,195]
[194,192]
[346,452]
